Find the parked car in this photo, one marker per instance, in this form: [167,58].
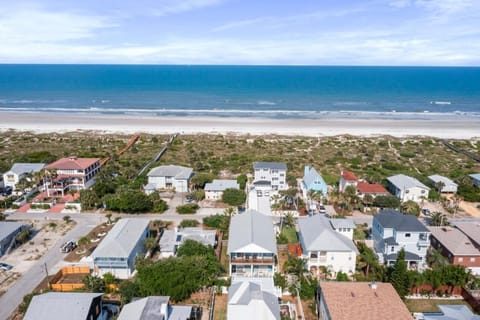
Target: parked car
[426,212]
[189,199]
[322,209]
[7,191]
[5,266]
[68,246]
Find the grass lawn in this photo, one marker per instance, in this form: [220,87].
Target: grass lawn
[430,305]
[224,258]
[291,234]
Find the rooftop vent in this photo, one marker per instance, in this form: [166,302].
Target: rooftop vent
[373,285]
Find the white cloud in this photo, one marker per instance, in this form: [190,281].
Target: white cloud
[36,25]
[165,7]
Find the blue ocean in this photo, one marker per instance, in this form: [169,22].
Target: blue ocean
[243,91]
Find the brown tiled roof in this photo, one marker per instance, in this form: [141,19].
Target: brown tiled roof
[348,175]
[455,241]
[365,187]
[72,163]
[357,300]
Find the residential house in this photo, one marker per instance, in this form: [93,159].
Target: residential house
[359,301]
[476,179]
[449,312]
[312,182]
[157,308]
[119,249]
[66,305]
[347,178]
[214,190]
[169,177]
[273,172]
[327,243]
[8,231]
[443,184]
[248,300]
[252,247]
[471,229]
[373,189]
[456,247]
[407,188]
[392,231]
[258,197]
[70,174]
[19,171]
[172,239]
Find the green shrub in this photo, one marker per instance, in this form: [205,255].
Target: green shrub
[189,208]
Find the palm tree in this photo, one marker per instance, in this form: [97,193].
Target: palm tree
[438,219]
[67,219]
[457,199]
[83,242]
[289,220]
[109,218]
[150,244]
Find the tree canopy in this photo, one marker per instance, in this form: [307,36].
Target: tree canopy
[233,197]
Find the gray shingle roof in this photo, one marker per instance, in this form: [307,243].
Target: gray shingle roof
[270,165]
[475,176]
[454,240]
[409,256]
[122,239]
[7,227]
[342,223]
[318,235]
[452,312]
[178,172]
[149,308]
[251,227]
[244,293]
[221,185]
[21,168]
[438,178]
[399,221]
[60,306]
[403,182]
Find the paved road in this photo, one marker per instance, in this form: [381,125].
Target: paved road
[53,258]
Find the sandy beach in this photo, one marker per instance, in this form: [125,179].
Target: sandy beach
[46,122]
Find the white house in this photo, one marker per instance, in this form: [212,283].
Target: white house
[172,239]
[393,230]
[66,305]
[407,188]
[119,249]
[252,246]
[214,190]
[248,300]
[476,179]
[71,173]
[169,177]
[273,172]
[20,170]
[155,308]
[328,243]
[347,178]
[443,184]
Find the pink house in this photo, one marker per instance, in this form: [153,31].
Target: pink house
[70,174]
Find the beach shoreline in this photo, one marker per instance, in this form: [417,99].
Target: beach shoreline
[455,128]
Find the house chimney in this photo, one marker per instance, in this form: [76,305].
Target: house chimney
[373,285]
[72,158]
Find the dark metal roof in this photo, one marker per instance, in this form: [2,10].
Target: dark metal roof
[408,256]
[401,222]
[270,165]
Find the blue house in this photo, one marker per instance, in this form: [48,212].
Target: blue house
[312,180]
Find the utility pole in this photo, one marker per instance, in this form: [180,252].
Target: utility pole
[46,272]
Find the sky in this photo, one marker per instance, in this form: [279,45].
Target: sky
[253,32]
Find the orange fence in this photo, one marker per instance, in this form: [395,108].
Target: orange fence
[58,282]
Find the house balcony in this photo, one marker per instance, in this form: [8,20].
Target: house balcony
[253,260]
[423,243]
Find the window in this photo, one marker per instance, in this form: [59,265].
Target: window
[423,191]
[407,235]
[313,255]
[472,259]
[460,259]
[392,249]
